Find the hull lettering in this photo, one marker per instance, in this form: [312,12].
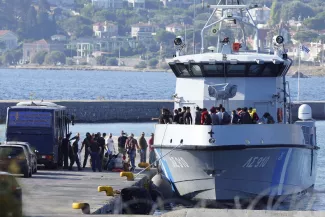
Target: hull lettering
[256,162]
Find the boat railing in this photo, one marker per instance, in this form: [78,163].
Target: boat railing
[229,16]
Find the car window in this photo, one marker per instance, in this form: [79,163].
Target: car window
[11,151]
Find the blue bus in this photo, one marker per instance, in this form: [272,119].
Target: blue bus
[42,124]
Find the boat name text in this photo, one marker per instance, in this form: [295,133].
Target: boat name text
[256,162]
[178,162]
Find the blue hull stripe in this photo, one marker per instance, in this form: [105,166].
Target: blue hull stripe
[277,171]
[167,172]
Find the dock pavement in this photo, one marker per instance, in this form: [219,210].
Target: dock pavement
[52,192]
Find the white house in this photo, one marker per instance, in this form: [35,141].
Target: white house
[142,31]
[105,29]
[107,4]
[137,3]
[174,28]
[260,15]
[58,38]
[9,39]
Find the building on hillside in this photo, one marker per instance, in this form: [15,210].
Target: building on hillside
[87,46]
[143,31]
[8,39]
[174,27]
[115,4]
[61,2]
[105,29]
[30,49]
[177,3]
[137,3]
[58,38]
[261,15]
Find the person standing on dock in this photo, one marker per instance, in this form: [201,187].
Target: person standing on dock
[131,146]
[121,143]
[152,154]
[74,153]
[86,144]
[65,151]
[95,151]
[110,146]
[143,148]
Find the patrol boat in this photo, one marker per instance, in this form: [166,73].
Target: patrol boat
[236,161]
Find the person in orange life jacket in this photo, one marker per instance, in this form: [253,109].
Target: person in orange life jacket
[203,115]
[253,114]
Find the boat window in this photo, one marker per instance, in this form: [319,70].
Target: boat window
[254,70]
[196,70]
[270,70]
[213,70]
[237,69]
[182,70]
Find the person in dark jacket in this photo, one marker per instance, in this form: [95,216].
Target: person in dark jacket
[245,117]
[86,144]
[207,119]
[234,117]
[74,153]
[197,116]
[188,116]
[121,143]
[176,117]
[65,151]
[95,151]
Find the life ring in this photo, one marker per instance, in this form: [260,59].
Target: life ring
[280,115]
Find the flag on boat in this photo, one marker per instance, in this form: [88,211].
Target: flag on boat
[304,48]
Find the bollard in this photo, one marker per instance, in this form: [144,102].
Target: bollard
[85,208]
[107,189]
[144,165]
[129,175]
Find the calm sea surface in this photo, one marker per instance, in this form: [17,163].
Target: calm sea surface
[69,84]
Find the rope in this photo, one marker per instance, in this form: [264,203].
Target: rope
[161,156]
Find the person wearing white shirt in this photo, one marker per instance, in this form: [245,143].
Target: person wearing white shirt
[110,145]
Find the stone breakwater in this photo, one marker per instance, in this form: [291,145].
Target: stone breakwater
[100,111]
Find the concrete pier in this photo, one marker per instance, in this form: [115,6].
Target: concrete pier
[106,111]
[52,192]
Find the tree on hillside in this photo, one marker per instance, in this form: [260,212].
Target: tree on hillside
[103,15]
[316,23]
[43,5]
[111,62]
[275,13]
[55,57]
[88,11]
[153,63]
[165,37]
[39,57]
[295,9]
[306,36]
[78,26]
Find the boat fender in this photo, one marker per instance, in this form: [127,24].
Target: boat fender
[162,184]
[136,200]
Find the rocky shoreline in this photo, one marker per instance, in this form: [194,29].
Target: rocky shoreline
[318,71]
[87,68]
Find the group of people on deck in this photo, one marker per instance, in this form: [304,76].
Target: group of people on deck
[216,116]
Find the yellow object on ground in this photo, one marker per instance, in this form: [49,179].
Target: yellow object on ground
[79,205]
[143,165]
[107,189]
[129,175]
